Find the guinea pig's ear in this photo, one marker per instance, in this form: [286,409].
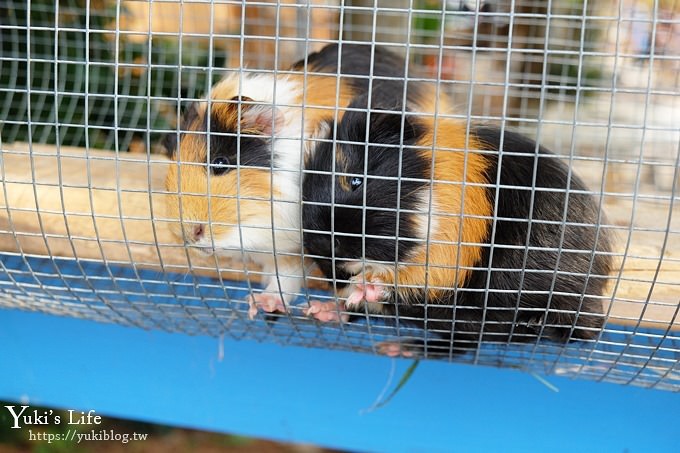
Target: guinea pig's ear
[386,127]
[265,118]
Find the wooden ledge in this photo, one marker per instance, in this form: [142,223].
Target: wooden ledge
[99,205]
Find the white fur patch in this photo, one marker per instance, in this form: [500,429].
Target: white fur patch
[255,236]
[424,220]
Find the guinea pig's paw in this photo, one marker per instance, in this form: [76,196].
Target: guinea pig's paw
[269,303]
[395,349]
[373,291]
[327,311]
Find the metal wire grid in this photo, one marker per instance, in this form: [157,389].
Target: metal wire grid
[604,102]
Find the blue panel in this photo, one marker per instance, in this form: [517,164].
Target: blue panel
[316,396]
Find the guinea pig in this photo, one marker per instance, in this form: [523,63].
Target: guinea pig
[236,182]
[474,234]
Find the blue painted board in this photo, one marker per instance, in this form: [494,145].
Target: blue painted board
[316,396]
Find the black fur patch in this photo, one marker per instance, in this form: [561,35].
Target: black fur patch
[169,140]
[356,61]
[525,257]
[364,66]
[557,288]
[555,216]
[224,142]
[351,217]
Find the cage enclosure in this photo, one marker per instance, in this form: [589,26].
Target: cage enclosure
[91,88]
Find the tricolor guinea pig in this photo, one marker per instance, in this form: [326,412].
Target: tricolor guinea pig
[474,234]
[236,182]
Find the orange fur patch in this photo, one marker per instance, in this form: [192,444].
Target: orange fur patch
[441,264]
[432,102]
[319,99]
[218,204]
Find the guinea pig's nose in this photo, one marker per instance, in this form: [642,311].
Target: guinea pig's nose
[197,232]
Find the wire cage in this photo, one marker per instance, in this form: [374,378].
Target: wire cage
[91,87]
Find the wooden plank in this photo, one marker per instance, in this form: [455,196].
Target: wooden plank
[97,205]
[92,206]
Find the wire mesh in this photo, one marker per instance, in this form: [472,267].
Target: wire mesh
[91,87]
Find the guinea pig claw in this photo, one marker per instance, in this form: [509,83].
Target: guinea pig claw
[356,297]
[369,292]
[326,311]
[394,349]
[269,303]
[252,311]
[374,291]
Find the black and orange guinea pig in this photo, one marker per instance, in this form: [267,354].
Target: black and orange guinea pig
[236,184]
[423,218]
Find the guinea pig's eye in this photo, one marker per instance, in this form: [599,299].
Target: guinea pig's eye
[219,165]
[356,182]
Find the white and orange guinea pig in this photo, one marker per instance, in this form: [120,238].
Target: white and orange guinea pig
[236,183]
[419,218]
